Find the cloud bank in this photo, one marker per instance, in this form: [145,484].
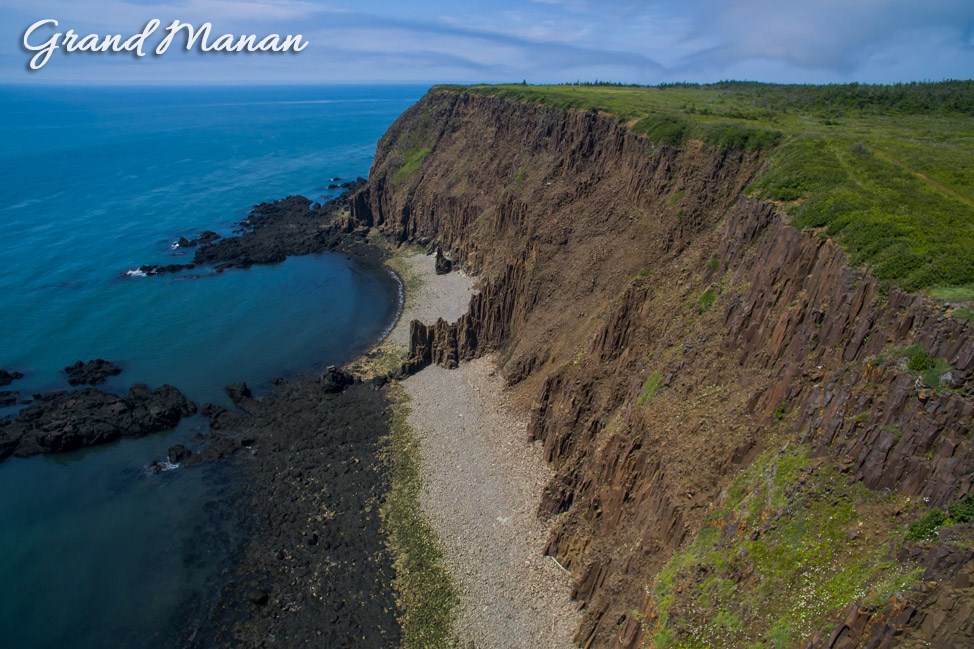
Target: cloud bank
[542,41]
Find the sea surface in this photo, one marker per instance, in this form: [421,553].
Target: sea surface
[96,551]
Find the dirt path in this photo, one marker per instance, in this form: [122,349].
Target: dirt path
[483,486]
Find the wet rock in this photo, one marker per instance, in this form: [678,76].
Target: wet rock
[92,372]
[319,449]
[215,414]
[207,236]
[258,596]
[68,420]
[8,398]
[156,269]
[6,377]
[178,453]
[239,393]
[335,380]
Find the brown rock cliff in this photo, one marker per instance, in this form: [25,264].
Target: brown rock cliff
[605,260]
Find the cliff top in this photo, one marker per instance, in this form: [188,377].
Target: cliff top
[887,171]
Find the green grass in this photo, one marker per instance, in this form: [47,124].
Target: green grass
[428,597]
[706,300]
[412,160]
[650,388]
[954,294]
[887,171]
[777,561]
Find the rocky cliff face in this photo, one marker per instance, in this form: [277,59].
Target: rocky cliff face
[665,331]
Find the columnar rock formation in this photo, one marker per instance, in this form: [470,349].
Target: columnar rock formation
[607,261]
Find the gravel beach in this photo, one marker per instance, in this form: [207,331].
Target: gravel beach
[482,485]
[429,296]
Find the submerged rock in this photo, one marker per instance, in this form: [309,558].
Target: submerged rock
[6,378]
[91,373]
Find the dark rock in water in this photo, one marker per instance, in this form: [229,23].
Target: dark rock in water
[9,438]
[8,398]
[215,415]
[276,230]
[333,186]
[155,269]
[6,378]
[334,380]
[238,392]
[178,453]
[443,265]
[207,236]
[92,372]
[68,420]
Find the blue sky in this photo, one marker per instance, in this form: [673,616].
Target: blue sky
[542,41]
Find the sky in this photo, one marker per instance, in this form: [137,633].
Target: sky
[540,41]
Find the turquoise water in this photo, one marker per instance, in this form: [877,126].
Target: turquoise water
[94,551]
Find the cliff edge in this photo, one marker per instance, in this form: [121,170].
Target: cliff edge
[752,439]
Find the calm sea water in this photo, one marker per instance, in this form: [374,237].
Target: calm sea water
[94,551]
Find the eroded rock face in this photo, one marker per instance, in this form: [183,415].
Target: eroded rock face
[64,421]
[592,275]
[91,372]
[443,265]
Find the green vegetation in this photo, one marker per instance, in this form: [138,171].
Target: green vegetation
[650,388]
[887,171]
[954,293]
[706,300]
[789,548]
[412,160]
[925,527]
[919,361]
[428,597]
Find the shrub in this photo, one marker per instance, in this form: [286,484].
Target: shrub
[920,360]
[925,527]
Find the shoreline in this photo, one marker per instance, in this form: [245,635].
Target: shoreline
[317,565]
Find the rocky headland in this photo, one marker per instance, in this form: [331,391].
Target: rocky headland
[668,337]
[727,430]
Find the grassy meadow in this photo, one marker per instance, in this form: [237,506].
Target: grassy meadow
[886,171]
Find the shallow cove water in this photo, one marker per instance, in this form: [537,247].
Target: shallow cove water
[95,551]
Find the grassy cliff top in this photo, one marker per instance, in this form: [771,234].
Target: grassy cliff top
[887,171]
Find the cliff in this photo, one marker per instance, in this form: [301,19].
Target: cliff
[675,341]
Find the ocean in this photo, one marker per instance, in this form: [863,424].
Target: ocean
[95,550]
